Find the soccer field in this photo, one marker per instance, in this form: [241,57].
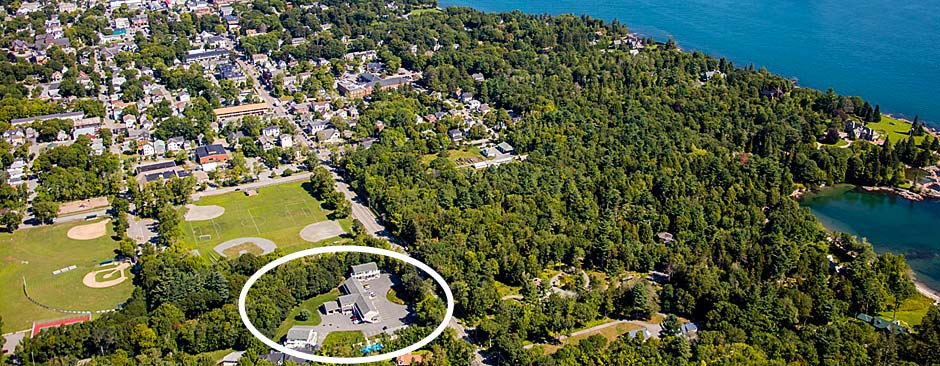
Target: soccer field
[34,254]
[277,213]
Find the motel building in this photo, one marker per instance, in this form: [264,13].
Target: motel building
[356,299]
[257,109]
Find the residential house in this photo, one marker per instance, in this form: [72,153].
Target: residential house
[177,143]
[329,136]
[210,154]
[266,142]
[86,127]
[857,130]
[455,135]
[271,131]
[410,359]
[299,337]
[286,140]
[147,149]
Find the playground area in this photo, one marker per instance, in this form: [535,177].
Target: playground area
[54,267]
[276,214]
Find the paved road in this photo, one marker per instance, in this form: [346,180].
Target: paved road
[59,220]
[261,183]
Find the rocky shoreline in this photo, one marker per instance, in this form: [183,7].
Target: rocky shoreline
[911,195]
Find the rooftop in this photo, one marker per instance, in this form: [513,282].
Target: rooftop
[365,267]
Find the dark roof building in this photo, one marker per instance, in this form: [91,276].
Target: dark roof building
[210,153]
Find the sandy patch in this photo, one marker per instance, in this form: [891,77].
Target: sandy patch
[202,213]
[82,205]
[112,275]
[321,230]
[266,245]
[89,232]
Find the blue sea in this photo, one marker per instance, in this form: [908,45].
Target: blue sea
[885,51]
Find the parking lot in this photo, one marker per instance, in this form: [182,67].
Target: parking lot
[392,316]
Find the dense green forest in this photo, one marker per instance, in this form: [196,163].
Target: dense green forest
[620,147]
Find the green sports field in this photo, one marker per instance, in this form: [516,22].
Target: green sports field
[34,254]
[277,213]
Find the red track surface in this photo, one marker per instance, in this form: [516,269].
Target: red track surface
[37,327]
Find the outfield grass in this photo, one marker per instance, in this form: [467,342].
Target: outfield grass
[313,305]
[277,213]
[897,129]
[33,254]
[911,311]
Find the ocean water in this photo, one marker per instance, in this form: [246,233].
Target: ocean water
[890,223]
[885,51]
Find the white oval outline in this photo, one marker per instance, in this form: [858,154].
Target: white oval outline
[243,313]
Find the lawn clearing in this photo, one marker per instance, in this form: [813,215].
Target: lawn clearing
[505,290]
[611,333]
[277,213]
[911,311]
[417,12]
[33,254]
[897,129]
[313,305]
[343,340]
[467,152]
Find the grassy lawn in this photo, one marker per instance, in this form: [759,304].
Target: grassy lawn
[34,254]
[343,339]
[839,143]
[313,305]
[213,357]
[393,297]
[504,290]
[277,213]
[423,11]
[895,128]
[912,310]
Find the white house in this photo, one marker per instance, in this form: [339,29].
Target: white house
[300,337]
[365,271]
[287,141]
[271,131]
[147,149]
